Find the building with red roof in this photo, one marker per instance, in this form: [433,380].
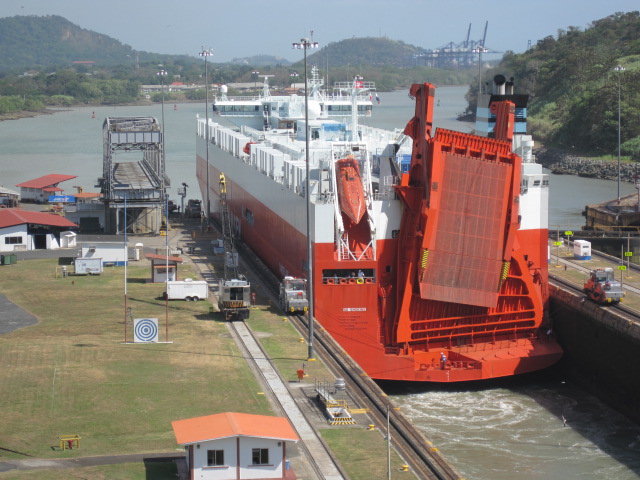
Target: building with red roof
[26,230]
[39,189]
[236,446]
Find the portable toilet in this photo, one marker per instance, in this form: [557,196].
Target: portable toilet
[581,250]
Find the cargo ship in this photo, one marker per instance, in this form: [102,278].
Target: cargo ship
[429,247]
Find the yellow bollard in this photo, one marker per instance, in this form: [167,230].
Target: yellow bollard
[372,426]
[301,340]
[284,319]
[404,468]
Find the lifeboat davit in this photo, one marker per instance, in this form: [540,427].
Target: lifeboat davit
[350,191]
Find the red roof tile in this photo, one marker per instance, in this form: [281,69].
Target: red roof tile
[230,424]
[154,256]
[46,181]
[15,216]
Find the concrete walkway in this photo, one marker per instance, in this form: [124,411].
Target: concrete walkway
[307,435]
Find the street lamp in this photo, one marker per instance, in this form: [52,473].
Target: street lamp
[162,74]
[255,74]
[480,50]
[619,69]
[207,53]
[306,44]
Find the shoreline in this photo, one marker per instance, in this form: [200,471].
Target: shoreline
[565,163]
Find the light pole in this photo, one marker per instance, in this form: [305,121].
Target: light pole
[480,50]
[619,69]
[162,74]
[255,74]
[294,77]
[305,44]
[206,53]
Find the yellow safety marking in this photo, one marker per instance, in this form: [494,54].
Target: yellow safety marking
[505,269]
[425,257]
[359,410]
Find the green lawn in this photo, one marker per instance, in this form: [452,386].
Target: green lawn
[72,374]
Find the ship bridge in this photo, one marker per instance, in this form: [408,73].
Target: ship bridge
[133,188]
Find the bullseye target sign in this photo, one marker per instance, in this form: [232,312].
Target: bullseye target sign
[145,330]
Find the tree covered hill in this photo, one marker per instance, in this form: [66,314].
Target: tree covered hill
[368,51]
[574,85]
[28,42]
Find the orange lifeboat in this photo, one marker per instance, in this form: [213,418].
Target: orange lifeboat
[350,191]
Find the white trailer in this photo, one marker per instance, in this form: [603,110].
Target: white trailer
[88,266]
[188,289]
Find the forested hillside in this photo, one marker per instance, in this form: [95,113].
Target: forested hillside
[574,85]
[32,42]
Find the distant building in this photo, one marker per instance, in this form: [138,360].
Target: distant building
[235,446]
[39,189]
[25,230]
[9,198]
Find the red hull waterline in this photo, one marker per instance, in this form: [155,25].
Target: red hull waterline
[460,294]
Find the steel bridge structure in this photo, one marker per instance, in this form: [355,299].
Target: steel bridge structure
[133,189]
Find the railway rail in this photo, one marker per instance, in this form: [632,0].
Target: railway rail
[420,455]
[629,313]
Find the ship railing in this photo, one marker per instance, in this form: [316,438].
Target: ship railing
[345,253]
[348,280]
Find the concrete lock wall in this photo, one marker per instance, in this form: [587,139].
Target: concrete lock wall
[602,350]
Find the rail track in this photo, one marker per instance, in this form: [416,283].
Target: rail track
[420,455]
[629,313]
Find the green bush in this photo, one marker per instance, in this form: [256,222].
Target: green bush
[631,148]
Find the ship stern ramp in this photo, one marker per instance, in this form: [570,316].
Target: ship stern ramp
[468,304]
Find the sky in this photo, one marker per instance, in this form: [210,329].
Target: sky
[243,28]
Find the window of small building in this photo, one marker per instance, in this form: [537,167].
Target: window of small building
[12,240]
[260,456]
[215,458]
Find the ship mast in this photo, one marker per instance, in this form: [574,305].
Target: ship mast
[354,89]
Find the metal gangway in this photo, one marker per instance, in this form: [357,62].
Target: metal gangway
[133,191]
[337,410]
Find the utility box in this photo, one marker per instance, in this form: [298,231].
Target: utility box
[581,250]
[88,266]
[188,290]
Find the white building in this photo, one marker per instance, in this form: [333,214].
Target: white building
[236,446]
[39,189]
[22,230]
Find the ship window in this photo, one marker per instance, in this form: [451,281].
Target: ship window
[536,183]
[395,233]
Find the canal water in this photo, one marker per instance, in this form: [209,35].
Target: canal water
[535,427]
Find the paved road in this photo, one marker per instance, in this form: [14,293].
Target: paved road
[12,317]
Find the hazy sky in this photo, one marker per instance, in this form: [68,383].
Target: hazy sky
[240,28]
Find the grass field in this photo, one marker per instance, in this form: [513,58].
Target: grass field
[72,374]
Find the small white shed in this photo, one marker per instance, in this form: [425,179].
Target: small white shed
[112,253]
[231,445]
